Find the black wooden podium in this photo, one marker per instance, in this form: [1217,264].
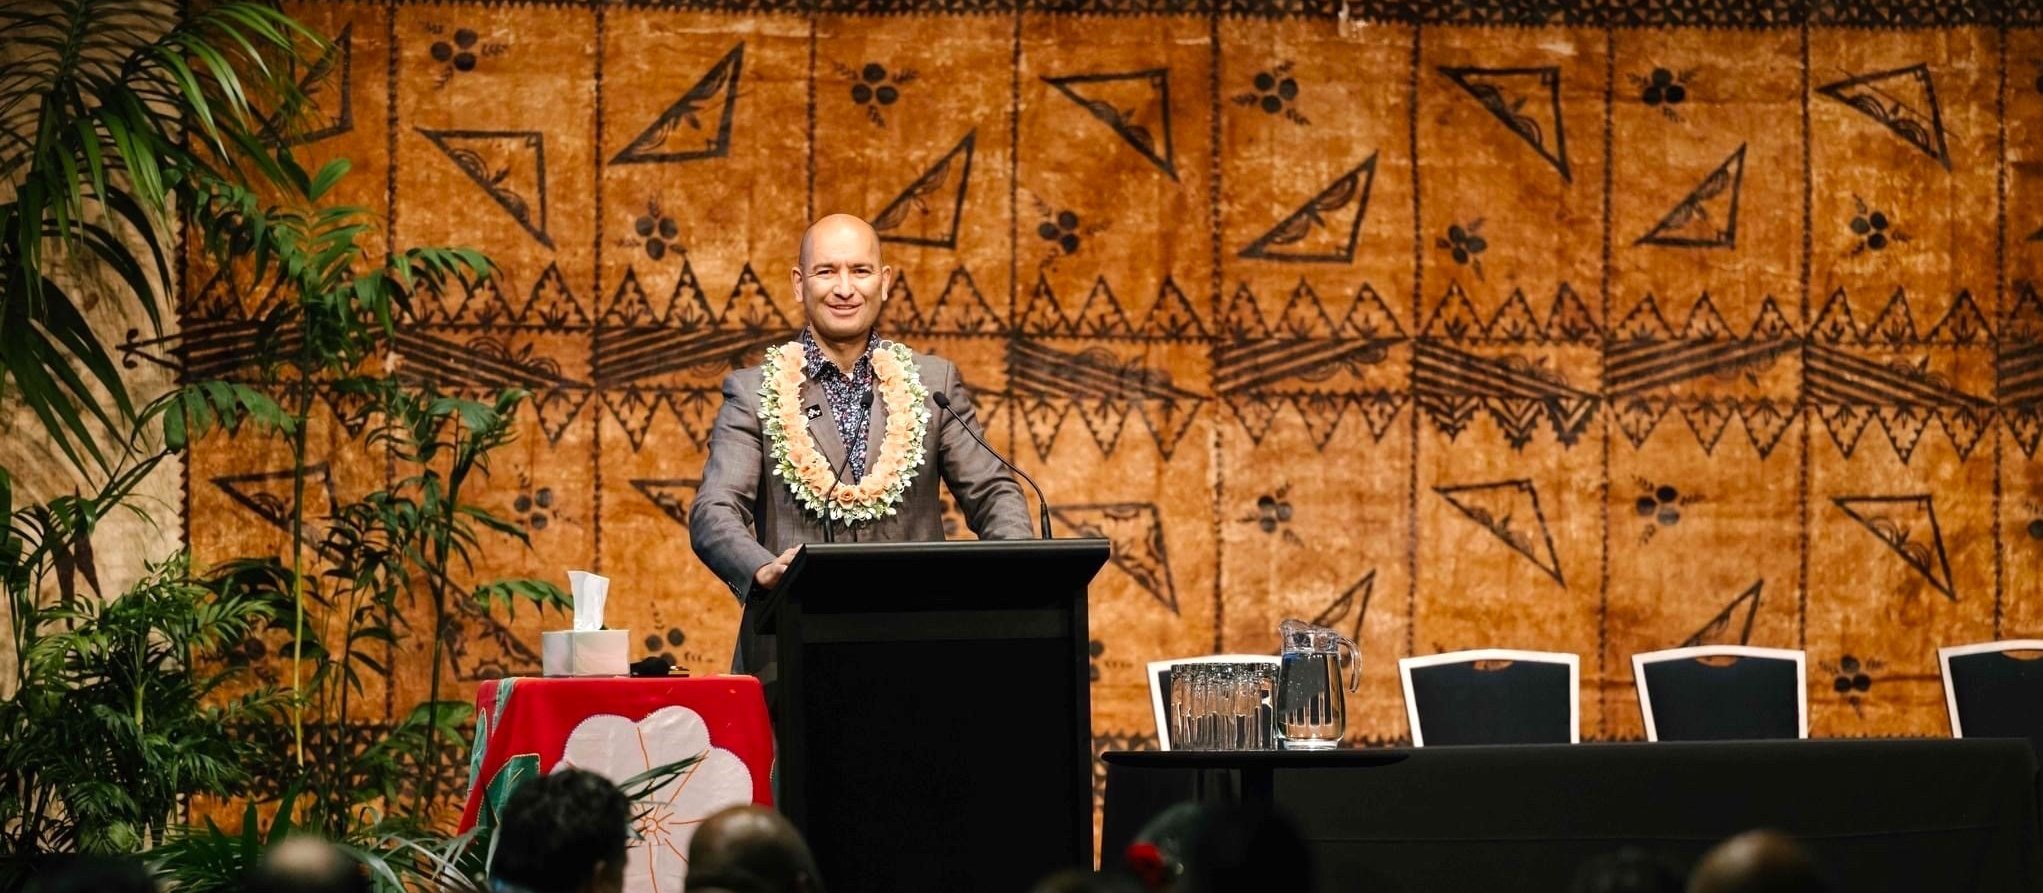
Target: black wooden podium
[933,711]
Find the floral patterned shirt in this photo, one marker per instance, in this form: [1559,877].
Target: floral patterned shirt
[847,395]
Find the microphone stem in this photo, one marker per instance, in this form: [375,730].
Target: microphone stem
[1042,502]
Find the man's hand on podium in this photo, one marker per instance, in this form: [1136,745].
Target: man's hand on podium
[768,574]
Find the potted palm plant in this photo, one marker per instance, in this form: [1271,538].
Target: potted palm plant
[121,122]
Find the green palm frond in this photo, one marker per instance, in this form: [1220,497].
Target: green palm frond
[119,717]
[111,114]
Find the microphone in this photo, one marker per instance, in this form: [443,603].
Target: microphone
[837,477]
[943,402]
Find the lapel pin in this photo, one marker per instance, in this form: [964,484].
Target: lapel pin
[814,412]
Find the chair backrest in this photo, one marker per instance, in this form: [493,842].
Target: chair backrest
[1159,685]
[1723,692]
[1992,693]
[1493,696]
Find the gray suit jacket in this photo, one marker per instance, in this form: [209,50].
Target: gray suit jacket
[744,516]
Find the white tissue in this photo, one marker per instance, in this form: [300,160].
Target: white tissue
[588,649]
[589,592]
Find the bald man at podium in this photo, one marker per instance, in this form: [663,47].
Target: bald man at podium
[839,434]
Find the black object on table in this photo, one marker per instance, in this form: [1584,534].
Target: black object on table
[933,711]
[1899,815]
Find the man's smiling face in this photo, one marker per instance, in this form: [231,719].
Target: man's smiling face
[841,282]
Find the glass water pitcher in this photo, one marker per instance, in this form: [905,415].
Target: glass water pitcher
[1312,704]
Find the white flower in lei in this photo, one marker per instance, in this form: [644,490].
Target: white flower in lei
[799,462]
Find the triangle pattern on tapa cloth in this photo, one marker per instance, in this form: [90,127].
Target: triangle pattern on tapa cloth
[1135,530]
[1136,104]
[1728,627]
[328,88]
[928,211]
[267,494]
[1525,100]
[1903,100]
[671,495]
[684,132]
[509,165]
[1906,524]
[1510,510]
[1354,600]
[1326,228]
[1708,216]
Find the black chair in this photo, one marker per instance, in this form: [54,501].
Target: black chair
[1493,696]
[1723,692]
[1995,689]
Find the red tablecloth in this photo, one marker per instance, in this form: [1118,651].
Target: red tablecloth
[527,725]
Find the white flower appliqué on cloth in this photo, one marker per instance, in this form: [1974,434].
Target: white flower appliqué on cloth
[617,748]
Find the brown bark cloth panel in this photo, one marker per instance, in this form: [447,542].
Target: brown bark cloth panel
[1595,327]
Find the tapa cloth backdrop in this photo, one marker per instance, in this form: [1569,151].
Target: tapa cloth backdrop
[1595,327]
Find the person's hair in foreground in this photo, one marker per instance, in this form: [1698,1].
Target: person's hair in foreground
[562,833]
[751,849]
[1758,862]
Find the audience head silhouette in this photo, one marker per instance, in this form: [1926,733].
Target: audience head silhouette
[1629,870]
[1236,847]
[91,874]
[563,833]
[1757,862]
[307,865]
[750,849]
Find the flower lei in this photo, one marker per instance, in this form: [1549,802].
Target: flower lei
[798,461]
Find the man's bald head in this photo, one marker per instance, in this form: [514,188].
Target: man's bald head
[835,226]
[750,849]
[841,283]
[1757,862]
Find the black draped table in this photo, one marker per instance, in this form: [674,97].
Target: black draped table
[1901,815]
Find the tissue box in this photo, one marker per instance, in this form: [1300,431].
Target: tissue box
[598,652]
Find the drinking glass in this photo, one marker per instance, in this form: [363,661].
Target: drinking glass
[1190,693]
[1255,691]
[1222,706]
